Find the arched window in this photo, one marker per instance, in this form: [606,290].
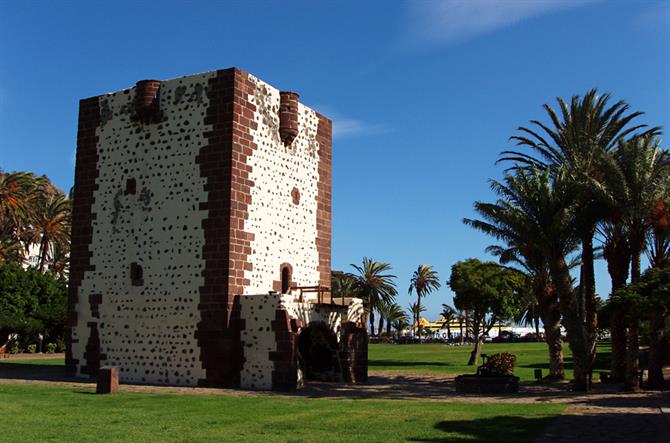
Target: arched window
[285,280]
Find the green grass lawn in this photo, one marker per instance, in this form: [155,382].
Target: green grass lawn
[444,359]
[57,361]
[41,413]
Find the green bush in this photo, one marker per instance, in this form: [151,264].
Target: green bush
[51,348]
[499,364]
[31,303]
[14,348]
[32,349]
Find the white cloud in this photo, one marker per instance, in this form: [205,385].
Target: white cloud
[344,126]
[449,21]
[350,127]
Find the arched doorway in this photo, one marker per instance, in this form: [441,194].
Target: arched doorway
[318,348]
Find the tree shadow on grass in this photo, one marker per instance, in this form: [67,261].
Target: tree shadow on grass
[28,371]
[602,362]
[492,429]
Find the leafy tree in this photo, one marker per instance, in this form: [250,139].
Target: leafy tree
[490,294]
[31,303]
[424,281]
[375,286]
[647,299]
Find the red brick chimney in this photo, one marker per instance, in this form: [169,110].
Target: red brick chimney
[288,116]
[147,105]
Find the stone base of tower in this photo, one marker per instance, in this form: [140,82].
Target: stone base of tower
[287,342]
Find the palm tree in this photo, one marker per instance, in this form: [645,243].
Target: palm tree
[392,313]
[449,314]
[637,177]
[424,281]
[400,325]
[16,191]
[577,145]
[533,217]
[514,219]
[529,315]
[658,241]
[374,286]
[343,285]
[51,226]
[416,309]
[462,317]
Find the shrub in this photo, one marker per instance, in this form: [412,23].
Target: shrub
[14,348]
[32,348]
[51,348]
[499,364]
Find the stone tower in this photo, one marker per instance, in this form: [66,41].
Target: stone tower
[201,237]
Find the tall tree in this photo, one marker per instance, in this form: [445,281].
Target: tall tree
[424,281]
[637,177]
[416,309]
[51,226]
[516,218]
[576,143]
[375,286]
[487,290]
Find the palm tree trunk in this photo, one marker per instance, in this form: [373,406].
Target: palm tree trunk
[43,252]
[577,335]
[631,380]
[617,254]
[656,355]
[380,328]
[388,328]
[550,314]
[418,314]
[460,328]
[552,334]
[372,322]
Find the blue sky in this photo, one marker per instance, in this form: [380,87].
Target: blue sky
[424,95]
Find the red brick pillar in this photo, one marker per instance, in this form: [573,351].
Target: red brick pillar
[146,100]
[108,380]
[288,116]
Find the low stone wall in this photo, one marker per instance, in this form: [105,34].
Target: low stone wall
[477,384]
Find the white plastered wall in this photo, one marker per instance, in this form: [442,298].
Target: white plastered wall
[284,232]
[148,331]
